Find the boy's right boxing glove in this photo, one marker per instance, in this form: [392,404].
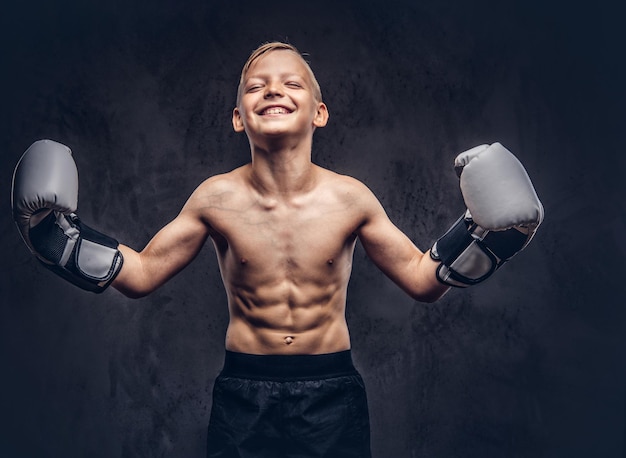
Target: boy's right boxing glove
[503,213]
[43,198]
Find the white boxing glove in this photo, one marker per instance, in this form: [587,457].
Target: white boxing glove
[44,196]
[503,213]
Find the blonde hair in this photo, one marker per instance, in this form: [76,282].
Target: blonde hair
[277,46]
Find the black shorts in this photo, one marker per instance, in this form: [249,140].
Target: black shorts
[279,406]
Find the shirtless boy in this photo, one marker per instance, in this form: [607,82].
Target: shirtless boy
[284,230]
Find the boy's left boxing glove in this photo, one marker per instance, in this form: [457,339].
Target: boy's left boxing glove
[503,214]
[44,196]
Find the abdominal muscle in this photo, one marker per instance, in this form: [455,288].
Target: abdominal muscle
[287,319]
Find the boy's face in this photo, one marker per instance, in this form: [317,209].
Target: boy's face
[278,98]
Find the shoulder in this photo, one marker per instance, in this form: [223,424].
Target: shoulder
[224,181]
[347,187]
[218,188]
[215,198]
[351,194]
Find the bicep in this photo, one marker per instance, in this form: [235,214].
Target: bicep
[175,245]
[386,245]
[398,257]
[169,251]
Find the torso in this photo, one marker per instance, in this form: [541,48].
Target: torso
[285,261]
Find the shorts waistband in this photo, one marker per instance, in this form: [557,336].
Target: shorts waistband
[273,367]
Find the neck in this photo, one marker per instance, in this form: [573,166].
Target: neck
[282,168]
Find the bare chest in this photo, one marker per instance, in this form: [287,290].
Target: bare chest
[286,236]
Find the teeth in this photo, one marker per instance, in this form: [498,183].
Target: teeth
[275,110]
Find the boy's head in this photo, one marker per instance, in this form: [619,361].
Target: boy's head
[276,46]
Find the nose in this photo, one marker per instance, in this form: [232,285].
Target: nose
[272,89]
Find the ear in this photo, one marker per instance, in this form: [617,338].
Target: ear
[321,115]
[237,121]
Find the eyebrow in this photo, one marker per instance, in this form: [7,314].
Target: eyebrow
[266,76]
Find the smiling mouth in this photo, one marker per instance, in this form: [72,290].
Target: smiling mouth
[275,111]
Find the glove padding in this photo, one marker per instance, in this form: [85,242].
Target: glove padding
[44,197]
[503,213]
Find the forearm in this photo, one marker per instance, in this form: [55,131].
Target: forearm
[401,260]
[174,247]
[133,281]
[426,287]
[411,269]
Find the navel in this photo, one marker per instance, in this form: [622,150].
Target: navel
[243,261]
[330,261]
[288,340]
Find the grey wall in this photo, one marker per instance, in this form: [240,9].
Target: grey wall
[529,364]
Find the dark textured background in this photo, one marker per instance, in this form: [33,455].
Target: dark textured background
[529,364]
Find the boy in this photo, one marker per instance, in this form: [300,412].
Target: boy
[284,231]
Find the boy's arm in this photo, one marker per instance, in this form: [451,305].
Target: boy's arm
[503,213]
[397,256]
[169,251]
[44,197]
